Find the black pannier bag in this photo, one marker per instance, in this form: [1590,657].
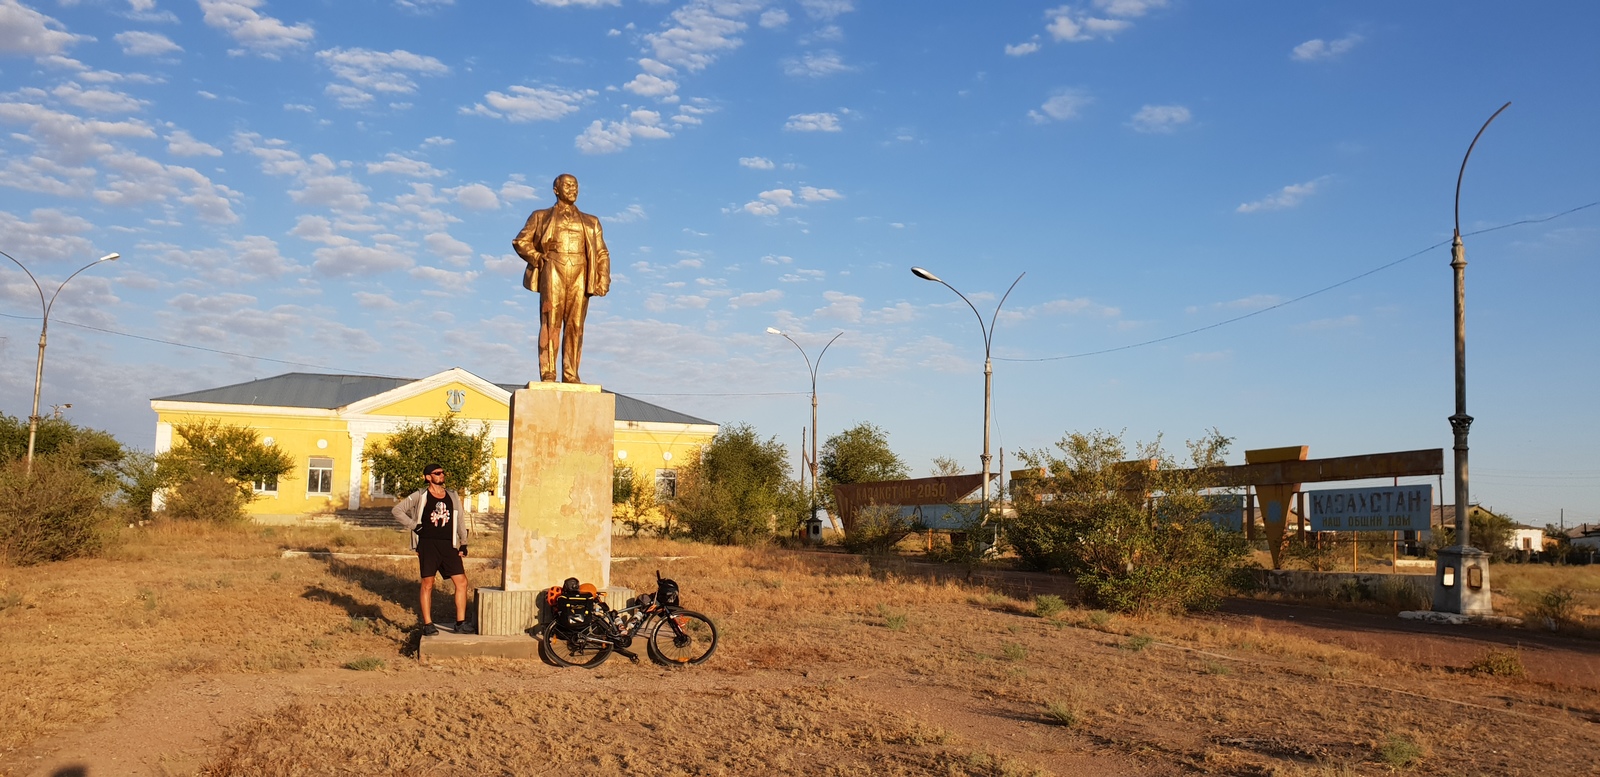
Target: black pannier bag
[666,591]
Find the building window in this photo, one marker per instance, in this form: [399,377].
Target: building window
[319,478]
[268,486]
[666,484]
[377,487]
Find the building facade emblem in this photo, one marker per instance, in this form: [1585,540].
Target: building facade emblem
[455,399]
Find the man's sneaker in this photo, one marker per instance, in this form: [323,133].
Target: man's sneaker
[428,629]
[466,627]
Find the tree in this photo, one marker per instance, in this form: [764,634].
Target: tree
[947,466]
[1131,531]
[234,453]
[467,457]
[91,449]
[1487,531]
[859,454]
[59,511]
[633,500]
[738,491]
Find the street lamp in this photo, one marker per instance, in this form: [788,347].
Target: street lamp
[44,330]
[988,366]
[812,368]
[1461,581]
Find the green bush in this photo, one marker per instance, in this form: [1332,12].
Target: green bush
[877,528]
[737,491]
[205,497]
[1555,607]
[1047,605]
[1131,531]
[1498,663]
[61,511]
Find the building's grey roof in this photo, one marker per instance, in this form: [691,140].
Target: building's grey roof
[330,392]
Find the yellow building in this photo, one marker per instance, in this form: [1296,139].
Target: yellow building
[325,423]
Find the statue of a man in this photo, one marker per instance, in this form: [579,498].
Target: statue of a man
[567,264]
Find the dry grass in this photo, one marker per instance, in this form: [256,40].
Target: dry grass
[825,666]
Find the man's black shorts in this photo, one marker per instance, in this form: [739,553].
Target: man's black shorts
[436,556]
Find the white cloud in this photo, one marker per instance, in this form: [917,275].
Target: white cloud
[400,164]
[48,234]
[632,213]
[373,301]
[813,194]
[756,162]
[816,65]
[145,44]
[827,9]
[97,100]
[368,73]
[577,3]
[355,259]
[1317,48]
[180,143]
[446,247]
[774,18]
[1023,49]
[768,203]
[813,122]
[263,35]
[517,191]
[647,85]
[448,281]
[475,196]
[611,137]
[530,103]
[1076,25]
[700,31]
[1160,119]
[1285,198]
[753,298]
[840,307]
[26,32]
[1063,105]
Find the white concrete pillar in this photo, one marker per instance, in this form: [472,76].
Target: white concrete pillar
[358,445]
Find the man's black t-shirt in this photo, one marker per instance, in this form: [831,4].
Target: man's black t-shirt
[436,519]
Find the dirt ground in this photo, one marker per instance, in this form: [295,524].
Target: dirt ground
[826,665]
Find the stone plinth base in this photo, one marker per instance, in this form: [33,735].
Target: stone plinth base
[1461,582]
[503,613]
[558,512]
[447,645]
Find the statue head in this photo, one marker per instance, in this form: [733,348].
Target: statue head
[566,188]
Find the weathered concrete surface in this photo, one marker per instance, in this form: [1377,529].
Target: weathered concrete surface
[448,645]
[558,513]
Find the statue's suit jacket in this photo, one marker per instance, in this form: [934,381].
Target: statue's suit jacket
[530,246]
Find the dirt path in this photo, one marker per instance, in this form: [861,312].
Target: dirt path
[1548,658]
[173,729]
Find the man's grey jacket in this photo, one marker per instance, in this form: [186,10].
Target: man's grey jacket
[409,513]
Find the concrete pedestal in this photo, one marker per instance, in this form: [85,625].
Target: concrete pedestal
[558,510]
[503,613]
[1461,582]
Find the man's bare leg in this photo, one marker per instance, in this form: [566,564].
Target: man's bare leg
[426,599]
[460,582]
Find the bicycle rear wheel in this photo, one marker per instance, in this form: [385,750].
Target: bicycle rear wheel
[683,637]
[583,649]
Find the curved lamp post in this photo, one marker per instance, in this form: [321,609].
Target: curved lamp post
[811,368]
[44,330]
[1466,568]
[988,365]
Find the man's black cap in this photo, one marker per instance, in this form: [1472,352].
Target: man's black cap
[431,468]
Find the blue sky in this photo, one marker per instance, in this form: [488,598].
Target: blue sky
[336,185]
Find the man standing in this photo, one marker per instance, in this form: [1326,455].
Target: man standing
[567,264]
[439,536]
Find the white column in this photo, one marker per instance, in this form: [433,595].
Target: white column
[163,437]
[358,444]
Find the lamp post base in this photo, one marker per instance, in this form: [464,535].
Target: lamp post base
[1461,582]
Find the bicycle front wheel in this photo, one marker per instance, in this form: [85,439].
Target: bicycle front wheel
[683,637]
[582,649]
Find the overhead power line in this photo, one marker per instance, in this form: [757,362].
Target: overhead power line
[1305,296]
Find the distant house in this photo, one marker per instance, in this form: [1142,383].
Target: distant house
[1526,538]
[1585,536]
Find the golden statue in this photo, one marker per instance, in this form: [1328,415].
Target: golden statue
[567,264]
